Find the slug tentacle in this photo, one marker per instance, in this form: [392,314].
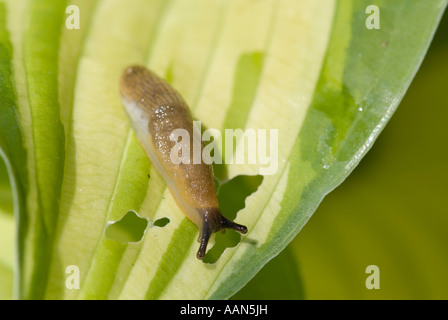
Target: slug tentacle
[156,110]
[214,221]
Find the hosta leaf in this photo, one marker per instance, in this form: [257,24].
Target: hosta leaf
[7,235]
[392,204]
[309,69]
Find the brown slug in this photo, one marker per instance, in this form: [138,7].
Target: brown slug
[156,110]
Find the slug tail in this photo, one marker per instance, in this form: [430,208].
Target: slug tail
[214,221]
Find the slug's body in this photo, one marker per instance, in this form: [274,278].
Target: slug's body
[156,110]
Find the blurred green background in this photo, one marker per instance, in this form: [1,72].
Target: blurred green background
[391,212]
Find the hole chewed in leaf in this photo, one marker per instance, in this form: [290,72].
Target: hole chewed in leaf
[232,196]
[130,228]
[161,222]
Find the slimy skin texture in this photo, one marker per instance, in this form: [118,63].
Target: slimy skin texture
[155,110]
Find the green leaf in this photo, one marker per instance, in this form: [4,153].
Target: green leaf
[7,234]
[309,69]
[391,212]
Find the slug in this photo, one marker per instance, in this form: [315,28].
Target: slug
[155,110]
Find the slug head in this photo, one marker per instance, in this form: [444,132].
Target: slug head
[214,221]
